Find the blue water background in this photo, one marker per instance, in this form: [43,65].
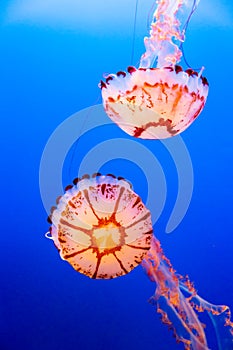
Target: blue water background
[52,58]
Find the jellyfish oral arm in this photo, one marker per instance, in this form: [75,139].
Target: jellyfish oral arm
[178,304]
[165,26]
[166,34]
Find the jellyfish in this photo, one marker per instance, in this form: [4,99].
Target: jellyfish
[101,227]
[162,101]
[103,230]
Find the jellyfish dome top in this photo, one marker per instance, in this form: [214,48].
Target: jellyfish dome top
[103,229]
[162,101]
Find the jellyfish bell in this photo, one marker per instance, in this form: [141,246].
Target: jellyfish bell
[101,227]
[160,102]
[154,103]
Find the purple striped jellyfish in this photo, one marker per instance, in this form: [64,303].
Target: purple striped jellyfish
[158,99]
[101,227]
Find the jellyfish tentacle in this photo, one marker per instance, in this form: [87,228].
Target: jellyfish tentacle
[175,310]
[225,325]
[177,303]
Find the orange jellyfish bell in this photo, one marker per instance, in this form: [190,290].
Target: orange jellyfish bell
[157,103]
[154,103]
[101,227]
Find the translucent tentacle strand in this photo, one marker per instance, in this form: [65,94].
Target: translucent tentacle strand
[178,308]
[220,316]
[166,33]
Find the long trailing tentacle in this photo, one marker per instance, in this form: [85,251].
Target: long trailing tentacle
[178,303]
[220,316]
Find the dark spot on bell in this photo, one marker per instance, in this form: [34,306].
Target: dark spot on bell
[178,69]
[68,187]
[191,72]
[131,69]
[52,209]
[76,180]
[170,68]
[204,81]
[109,78]
[96,174]
[58,199]
[49,220]
[121,73]
[102,85]
[103,188]
[111,175]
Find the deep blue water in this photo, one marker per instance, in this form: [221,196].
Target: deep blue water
[52,58]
